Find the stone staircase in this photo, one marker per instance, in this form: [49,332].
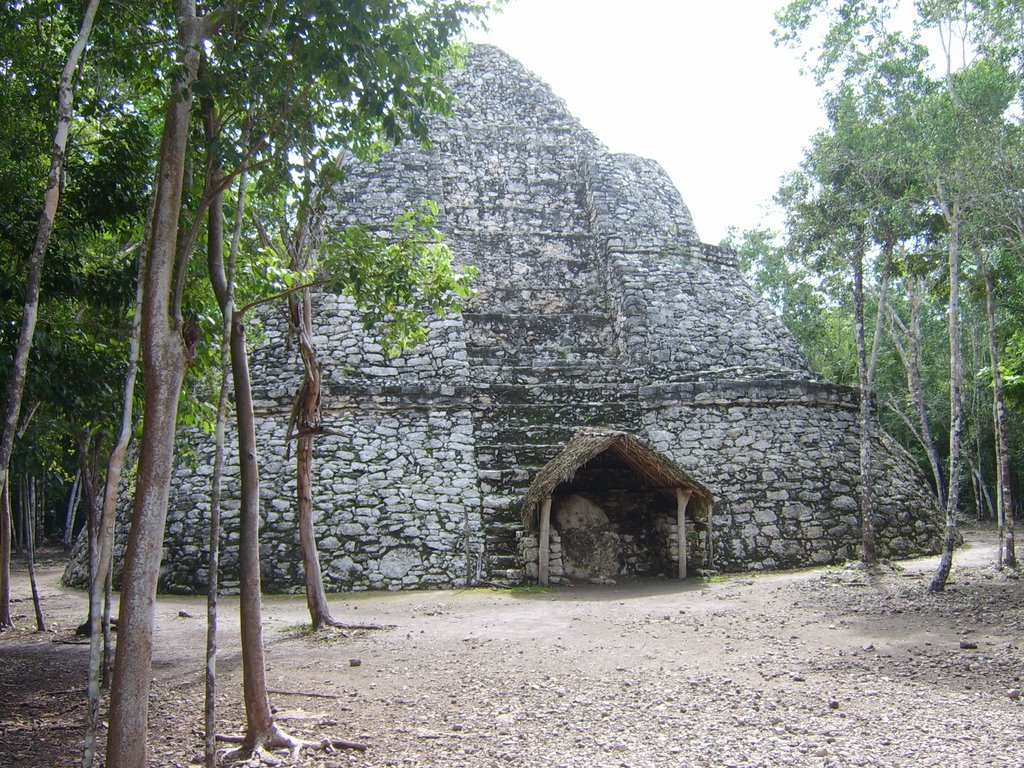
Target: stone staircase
[523,398]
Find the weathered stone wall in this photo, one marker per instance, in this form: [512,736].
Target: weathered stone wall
[596,304]
[783,458]
[682,315]
[395,490]
[395,500]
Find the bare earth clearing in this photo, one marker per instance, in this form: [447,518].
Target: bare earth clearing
[830,667]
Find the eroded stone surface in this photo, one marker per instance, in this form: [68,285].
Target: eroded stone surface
[596,304]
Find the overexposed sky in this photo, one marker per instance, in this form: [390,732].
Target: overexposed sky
[697,85]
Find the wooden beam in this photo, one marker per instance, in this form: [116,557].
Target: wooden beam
[682,499]
[544,544]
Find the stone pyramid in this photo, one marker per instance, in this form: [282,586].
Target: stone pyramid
[597,306]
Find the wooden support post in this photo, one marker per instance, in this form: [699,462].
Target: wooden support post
[544,543]
[682,499]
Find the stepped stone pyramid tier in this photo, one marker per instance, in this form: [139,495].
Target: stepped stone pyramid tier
[597,306]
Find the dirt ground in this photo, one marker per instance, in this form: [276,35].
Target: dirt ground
[824,667]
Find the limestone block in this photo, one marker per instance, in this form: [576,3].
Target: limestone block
[766,515]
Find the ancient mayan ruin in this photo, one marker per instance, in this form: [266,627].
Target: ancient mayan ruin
[597,307]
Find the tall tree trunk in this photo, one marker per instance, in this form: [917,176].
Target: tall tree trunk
[99,587]
[316,597]
[5,557]
[976,487]
[226,288]
[31,504]
[916,385]
[938,582]
[165,358]
[213,566]
[1004,489]
[69,517]
[87,450]
[65,106]
[975,419]
[982,497]
[305,424]
[261,730]
[108,644]
[867,528]
[20,542]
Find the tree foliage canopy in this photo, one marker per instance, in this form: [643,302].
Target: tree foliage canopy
[923,144]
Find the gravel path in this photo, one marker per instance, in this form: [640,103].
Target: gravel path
[835,667]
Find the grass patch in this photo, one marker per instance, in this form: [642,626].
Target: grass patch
[299,630]
[531,589]
[305,631]
[718,578]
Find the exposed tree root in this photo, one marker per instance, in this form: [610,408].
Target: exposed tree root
[259,751]
[283,692]
[491,584]
[334,623]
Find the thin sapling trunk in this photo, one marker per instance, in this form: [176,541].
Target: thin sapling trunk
[305,422]
[5,558]
[938,582]
[215,215]
[30,531]
[69,517]
[1004,491]
[102,574]
[51,198]
[869,550]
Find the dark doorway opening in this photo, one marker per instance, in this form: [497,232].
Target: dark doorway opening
[615,500]
[613,522]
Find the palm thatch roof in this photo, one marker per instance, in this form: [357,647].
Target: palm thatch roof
[656,469]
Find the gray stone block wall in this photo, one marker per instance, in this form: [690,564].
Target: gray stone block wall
[681,314]
[596,305]
[395,499]
[784,463]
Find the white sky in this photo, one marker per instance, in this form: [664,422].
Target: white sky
[697,85]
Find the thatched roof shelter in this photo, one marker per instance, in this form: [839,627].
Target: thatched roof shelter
[656,469]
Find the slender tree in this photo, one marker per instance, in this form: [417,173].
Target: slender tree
[65,111]
[951,213]
[30,505]
[1004,487]
[397,282]
[5,558]
[69,519]
[100,574]
[305,419]
[15,383]
[262,731]
[908,338]
[216,482]
[166,350]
